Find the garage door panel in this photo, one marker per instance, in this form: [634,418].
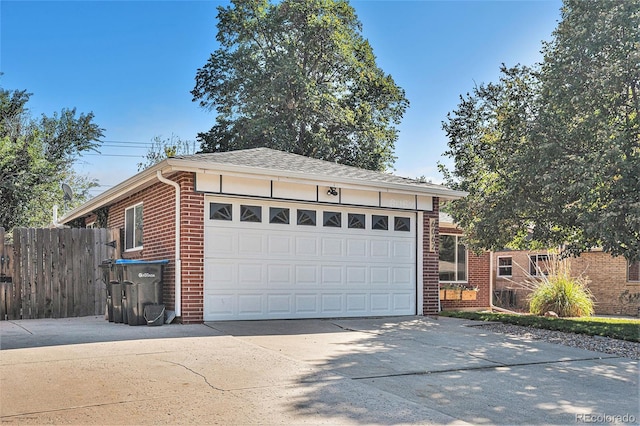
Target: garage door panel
[381,302]
[380,249]
[332,303]
[402,301]
[357,303]
[221,305]
[306,246]
[223,243]
[331,276]
[278,275]
[259,270]
[250,304]
[380,275]
[279,304]
[332,247]
[279,245]
[306,275]
[250,244]
[356,276]
[306,304]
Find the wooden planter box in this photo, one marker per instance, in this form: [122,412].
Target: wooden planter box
[469,294]
[452,295]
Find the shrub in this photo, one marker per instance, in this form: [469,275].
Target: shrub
[561,293]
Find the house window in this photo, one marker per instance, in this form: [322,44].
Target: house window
[279,215]
[332,219]
[356,221]
[633,271]
[505,266]
[250,213]
[307,217]
[133,227]
[379,222]
[220,211]
[402,224]
[453,259]
[538,265]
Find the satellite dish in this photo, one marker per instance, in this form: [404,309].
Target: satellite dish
[68,193]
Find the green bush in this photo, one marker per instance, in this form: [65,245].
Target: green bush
[565,295]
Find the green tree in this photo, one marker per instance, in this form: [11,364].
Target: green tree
[166,148]
[298,76]
[36,157]
[550,156]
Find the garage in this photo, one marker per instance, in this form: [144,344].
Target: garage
[267,259]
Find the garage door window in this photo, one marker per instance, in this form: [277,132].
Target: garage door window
[220,211]
[250,214]
[307,217]
[278,215]
[332,219]
[402,224]
[356,221]
[380,222]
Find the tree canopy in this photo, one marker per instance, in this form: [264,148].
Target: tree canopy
[550,155]
[36,157]
[161,149]
[298,76]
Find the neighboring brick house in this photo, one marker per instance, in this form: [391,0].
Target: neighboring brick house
[614,282]
[263,234]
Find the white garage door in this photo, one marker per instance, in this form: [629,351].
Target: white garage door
[274,260]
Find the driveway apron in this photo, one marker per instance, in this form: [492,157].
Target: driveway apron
[400,370]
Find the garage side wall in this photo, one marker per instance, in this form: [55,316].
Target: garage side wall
[430,244]
[192,249]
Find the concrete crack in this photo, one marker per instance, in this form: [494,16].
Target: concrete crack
[479,368]
[197,374]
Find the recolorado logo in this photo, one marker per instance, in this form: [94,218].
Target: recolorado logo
[146,275]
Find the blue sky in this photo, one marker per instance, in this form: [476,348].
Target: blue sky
[133,64]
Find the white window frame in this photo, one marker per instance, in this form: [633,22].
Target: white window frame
[498,267]
[133,246]
[466,263]
[538,272]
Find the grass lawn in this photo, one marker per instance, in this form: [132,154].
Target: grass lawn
[617,328]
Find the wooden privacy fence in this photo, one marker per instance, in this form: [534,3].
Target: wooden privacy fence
[55,273]
[6,256]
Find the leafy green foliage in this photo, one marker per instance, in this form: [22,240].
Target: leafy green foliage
[298,76]
[166,148]
[550,155]
[616,328]
[565,295]
[36,157]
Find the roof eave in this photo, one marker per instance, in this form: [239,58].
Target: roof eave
[137,181]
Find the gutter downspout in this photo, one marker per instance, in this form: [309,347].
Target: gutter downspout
[178,304]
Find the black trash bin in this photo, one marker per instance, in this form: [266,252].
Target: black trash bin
[142,286]
[116,301]
[108,277]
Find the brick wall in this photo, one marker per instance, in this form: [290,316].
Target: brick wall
[613,293]
[478,269]
[159,238]
[192,249]
[607,275]
[430,260]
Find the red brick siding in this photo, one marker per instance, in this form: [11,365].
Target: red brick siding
[159,238]
[478,269]
[430,262]
[192,249]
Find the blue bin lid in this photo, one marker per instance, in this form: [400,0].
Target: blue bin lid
[139,262]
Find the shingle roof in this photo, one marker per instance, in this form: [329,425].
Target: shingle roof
[270,159]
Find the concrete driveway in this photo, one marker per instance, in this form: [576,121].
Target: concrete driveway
[407,370]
